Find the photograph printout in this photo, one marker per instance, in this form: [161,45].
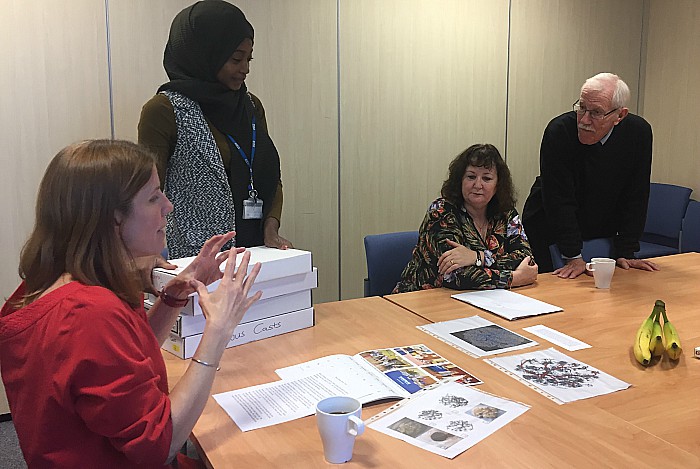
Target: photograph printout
[388,373]
[506,303]
[368,376]
[447,419]
[477,336]
[558,376]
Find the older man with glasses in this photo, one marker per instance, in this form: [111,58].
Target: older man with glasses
[595,164]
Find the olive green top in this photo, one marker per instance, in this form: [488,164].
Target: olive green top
[157,131]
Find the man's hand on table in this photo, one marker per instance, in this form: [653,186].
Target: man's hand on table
[641,264]
[572,269]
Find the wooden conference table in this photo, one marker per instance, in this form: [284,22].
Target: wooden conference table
[652,423]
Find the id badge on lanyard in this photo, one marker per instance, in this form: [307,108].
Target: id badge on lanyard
[252,206]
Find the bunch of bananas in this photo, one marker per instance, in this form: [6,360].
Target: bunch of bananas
[652,339]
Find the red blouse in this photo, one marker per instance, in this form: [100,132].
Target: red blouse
[85,380]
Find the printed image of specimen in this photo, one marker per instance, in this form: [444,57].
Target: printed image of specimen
[486,413]
[459,426]
[561,374]
[449,400]
[430,414]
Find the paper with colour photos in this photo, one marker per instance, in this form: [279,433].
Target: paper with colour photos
[369,376]
[389,372]
[448,419]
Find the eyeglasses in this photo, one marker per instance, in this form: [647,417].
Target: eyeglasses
[597,115]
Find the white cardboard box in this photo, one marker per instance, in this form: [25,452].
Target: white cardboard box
[275,263]
[190,325]
[184,347]
[270,289]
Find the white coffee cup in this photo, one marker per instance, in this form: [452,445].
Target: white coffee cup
[603,269]
[339,422]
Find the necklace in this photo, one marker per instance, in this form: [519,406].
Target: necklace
[482,229]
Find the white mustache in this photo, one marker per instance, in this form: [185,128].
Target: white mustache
[585,127]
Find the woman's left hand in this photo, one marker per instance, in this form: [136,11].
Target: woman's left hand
[459,256]
[205,268]
[526,273]
[277,241]
[271,236]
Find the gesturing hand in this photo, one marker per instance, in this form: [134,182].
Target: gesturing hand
[205,268]
[460,256]
[144,267]
[224,307]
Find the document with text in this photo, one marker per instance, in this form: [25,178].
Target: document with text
[507,304]
[368,376]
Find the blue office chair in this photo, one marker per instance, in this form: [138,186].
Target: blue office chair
[690,233]
[387,256]
[599,247]
[665,212]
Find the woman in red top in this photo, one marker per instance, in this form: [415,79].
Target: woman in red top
[80,358]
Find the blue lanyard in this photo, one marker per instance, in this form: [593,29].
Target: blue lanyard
[249,163]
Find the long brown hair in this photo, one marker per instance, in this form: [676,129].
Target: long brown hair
[75,230]
[483,156]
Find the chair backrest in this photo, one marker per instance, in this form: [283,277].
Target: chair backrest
[599,247]
[387,256]
[690,233]
[665,212]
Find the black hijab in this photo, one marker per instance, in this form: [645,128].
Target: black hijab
[202,38]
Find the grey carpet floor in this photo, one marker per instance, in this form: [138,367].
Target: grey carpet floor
[10,454]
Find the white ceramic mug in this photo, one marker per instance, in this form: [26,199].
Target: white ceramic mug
[339,422]
[603,269]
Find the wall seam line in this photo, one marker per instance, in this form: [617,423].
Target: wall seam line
[505,143]
[337,65]
[109,72]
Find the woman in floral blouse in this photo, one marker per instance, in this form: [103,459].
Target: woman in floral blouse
[472,236]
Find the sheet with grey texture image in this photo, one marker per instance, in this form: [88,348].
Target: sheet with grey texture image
[491,338]
[477,336]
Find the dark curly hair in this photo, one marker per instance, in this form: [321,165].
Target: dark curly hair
[483,156]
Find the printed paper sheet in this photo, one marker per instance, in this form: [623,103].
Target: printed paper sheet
[448,419]
[558,376]
[507,304]
[477,336]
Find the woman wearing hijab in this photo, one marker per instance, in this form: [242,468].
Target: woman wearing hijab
[215,158]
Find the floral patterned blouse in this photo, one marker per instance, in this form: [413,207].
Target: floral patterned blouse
[503,250]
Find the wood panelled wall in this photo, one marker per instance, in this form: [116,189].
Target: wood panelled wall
[555,46]
[367,101]
[54,81]
[672,91]
[419,82]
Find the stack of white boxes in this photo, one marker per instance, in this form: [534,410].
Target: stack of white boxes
[286,278]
